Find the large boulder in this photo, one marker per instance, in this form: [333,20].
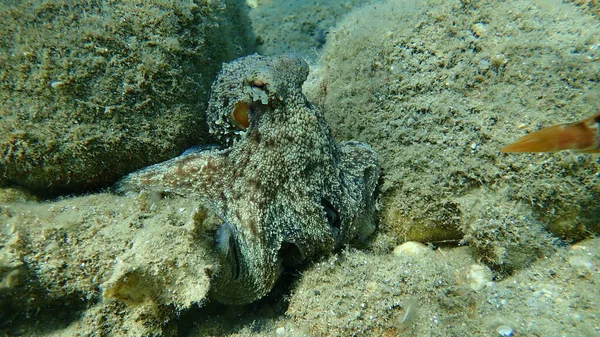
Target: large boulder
[102,265]
[92,90]
[437,88]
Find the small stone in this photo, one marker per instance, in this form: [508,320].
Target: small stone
[498,60]
[581,265]
[478,276]
[411,248]
[505,331]
[478,29]
[580,262]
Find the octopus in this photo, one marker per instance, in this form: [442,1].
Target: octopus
[286,191]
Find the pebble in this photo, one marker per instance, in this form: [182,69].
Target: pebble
[505,331]
[411,248]
[478,276]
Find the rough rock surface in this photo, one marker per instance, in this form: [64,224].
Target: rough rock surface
[447,292]
[93,90]
[302,26]
[103,264]
[437,88]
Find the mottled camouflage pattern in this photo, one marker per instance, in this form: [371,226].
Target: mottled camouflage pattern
[286,191]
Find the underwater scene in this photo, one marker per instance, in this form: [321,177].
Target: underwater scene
[299,168]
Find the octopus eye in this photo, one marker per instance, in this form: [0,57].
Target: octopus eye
[239,115]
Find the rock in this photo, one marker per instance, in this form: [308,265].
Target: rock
[103,264]
[438,88]
[93,91]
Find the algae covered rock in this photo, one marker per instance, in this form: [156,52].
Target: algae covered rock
[447,292]
[302,26]
[92,90]
[438,88]
[103,264]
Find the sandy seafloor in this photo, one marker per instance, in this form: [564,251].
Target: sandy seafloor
[509,243]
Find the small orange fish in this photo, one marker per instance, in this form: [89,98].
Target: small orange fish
[582,136]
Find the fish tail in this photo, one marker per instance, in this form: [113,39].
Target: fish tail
[581,136]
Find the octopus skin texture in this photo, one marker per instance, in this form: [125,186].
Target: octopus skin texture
[286,191]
